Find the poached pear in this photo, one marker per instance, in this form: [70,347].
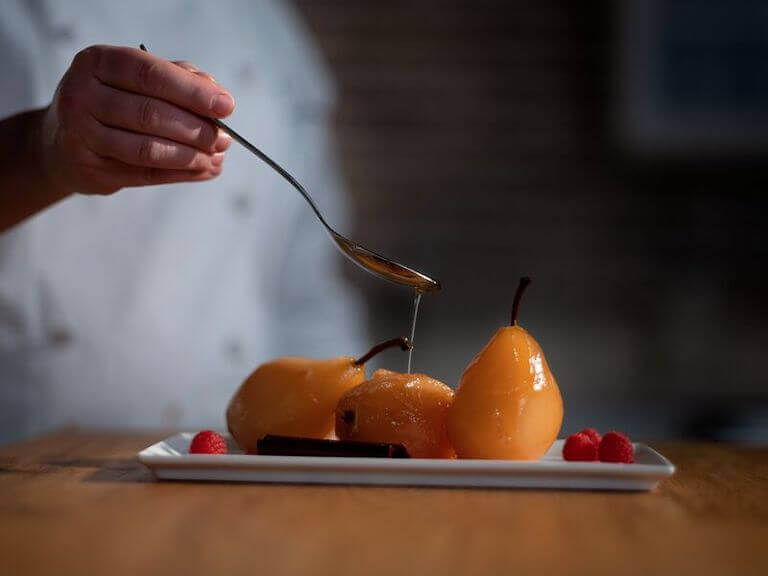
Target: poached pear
[507,404]
[407,409]
[295,396]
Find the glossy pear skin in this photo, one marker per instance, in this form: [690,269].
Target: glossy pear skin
[290,396]
[408,409]
[507,405]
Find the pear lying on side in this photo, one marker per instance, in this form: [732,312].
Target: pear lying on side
[508,404]
[407,409]
[295,396]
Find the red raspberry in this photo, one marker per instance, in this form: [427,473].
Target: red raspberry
[592,433]
[616,447]
[208,442]
[580,447]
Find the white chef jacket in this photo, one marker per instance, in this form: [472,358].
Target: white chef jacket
[147,308]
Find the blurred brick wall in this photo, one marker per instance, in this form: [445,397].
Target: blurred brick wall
[474,142]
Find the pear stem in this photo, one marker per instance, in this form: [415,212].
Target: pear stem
[402,341]
[524,282]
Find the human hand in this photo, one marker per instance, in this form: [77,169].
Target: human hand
[123,117]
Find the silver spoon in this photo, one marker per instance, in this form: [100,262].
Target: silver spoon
[368,260]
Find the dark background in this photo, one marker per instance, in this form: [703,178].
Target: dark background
[614,152]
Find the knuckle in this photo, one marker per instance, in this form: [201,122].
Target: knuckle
[147,152]
[200,97]
[207,137]
[83,57]
[67,89]
[69,106]
[75,95]
[66,105]
[87,58]
[147,76]
[187,65]
[149,115]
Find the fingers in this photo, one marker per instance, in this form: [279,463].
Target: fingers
[121,117]
[187,65]
[147,115]
[143,73]
[194,69]
[114,174]
[146,150]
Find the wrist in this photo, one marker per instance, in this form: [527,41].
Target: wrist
[39,152]
[29,181]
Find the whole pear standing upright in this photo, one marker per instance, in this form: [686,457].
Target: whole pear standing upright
[507,405]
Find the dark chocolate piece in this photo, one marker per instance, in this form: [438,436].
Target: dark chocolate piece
[294,446]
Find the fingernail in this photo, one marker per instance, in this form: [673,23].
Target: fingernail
[217,159]
[222,104]
[223,140]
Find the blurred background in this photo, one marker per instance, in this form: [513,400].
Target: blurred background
[613,151]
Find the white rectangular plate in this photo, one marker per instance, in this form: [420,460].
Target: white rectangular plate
[170,460]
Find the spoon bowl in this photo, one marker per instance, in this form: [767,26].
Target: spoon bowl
[383,267]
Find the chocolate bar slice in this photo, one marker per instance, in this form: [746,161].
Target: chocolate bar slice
[294,446]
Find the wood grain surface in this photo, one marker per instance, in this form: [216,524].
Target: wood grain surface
[79,503]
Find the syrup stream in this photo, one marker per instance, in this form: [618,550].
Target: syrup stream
[414,314]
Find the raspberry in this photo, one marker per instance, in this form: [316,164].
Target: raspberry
[592,433]
[616,447]
[580,446]
[208,442]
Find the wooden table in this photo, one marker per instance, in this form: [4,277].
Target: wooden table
[79,503]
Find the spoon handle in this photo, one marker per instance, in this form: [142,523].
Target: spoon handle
[271,163]
[274,165]
[367,259]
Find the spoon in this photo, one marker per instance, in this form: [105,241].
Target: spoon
[368,260]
